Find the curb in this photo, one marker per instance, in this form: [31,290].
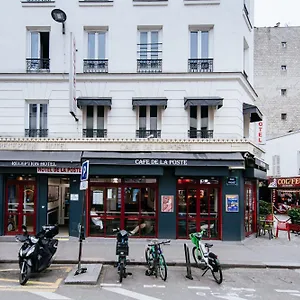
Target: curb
[179,264]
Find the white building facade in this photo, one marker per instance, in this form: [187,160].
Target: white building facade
[161,104]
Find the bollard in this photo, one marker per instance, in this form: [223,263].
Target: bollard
[188,262]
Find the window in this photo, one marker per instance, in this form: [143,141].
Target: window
[95,122]
[247,12]
[246,58]
[283,67]
[276,165]
[37,120]
[283,92]
[283,116]
[96,53]
[39,52]
[148,122]
[199,122]
[149,52]
[199,52]
[283,44]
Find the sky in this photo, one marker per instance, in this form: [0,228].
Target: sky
[269,12]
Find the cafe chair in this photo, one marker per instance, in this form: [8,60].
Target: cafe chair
[283,226]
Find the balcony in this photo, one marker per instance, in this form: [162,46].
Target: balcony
[38,65]
[95,66]
[94,133]
[36,132]
[200,65]
[201,134]
[149,65]
[142,134]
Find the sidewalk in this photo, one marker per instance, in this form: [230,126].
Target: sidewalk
[252,252]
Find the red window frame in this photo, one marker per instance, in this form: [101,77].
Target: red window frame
[250,185]
[122,215]
[198,218]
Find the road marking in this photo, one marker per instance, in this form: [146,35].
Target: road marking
[243,289]
[297,295]
[287,291]
[111,284]
[229,297]
[200,294]
[29,282]
[68,269]
[26,288]
[9,270]
[154,286]
[130,294]
[52,296]
[199,287]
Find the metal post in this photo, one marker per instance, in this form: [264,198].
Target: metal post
[81,270]
[188,262]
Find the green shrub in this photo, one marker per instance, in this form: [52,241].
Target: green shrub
[294,214]
[265,208]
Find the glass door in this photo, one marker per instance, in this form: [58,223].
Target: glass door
[250,209]
[20,203]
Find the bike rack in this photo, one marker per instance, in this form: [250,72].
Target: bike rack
[188,262]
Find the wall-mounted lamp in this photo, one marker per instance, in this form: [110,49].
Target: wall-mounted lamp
[59,16]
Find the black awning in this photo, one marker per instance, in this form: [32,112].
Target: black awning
[255,114]
[97,101]
[203,101]
[40,158]
[149,102]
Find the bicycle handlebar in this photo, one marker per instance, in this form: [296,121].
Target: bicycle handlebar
[160,243]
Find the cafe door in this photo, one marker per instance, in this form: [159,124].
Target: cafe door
[198,210]
[250,207]
[20,207]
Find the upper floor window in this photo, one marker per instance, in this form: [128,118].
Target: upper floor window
[283,67]
[283,92]
[149,123]
[38,60]
[246,59]
[283,44]
[96,53]
[149,52]
[276,165]
[247,12]
[95,121]
[37,120]
[199,122]
[200,52]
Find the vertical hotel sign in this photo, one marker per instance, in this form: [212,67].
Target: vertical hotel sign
[72,77]
[261,132]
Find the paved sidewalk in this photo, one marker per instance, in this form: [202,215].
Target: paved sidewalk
[252,252]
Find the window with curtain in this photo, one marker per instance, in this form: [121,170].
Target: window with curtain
[96,45]
[199,44]
[149,45]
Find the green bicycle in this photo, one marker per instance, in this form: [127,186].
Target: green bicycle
[203,256]
[155,260]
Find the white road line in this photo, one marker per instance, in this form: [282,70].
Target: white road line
[51,296]
[287,291]
[297,295]
[130,294]
[228,297]
[154,286]
[199,287]
[110,284]
[243,289]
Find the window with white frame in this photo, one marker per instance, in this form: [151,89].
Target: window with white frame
[246,58]
[148,122]
[96,52]
[200,60]
[37,120]
[39,59]
[199,122]
[276,165]
[149,51]
[95,121]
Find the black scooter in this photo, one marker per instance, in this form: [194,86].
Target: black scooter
[36,253]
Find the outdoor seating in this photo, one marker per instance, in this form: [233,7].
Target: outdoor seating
[265,224]
[283,226]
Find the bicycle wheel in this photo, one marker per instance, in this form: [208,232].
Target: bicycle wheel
[163,268]
[148,256]
[217,274]
[197,257]
[121,272]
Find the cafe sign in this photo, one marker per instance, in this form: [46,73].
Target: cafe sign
[161,162]
[284,182]
[59,170]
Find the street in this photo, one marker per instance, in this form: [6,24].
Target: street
[238,284]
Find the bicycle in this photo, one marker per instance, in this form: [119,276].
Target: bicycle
[202,255]
[122,250]
[155,260]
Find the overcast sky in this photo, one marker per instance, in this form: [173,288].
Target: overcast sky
[269,12]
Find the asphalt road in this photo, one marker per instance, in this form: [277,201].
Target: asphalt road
[239,284]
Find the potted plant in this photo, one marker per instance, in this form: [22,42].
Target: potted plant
[265,208]
[294,214]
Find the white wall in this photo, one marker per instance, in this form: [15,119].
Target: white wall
[287,147]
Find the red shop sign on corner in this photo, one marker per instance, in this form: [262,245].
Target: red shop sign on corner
[284,182]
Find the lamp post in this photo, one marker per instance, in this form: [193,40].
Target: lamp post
[59,16]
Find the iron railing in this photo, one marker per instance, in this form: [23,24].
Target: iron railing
[153,65]
[148,133]
[199,65]
[95,65]
[200,134]
[94,133]
[36,132]
[37,65]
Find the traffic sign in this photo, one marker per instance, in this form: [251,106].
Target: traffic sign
[85,171]
[83,185]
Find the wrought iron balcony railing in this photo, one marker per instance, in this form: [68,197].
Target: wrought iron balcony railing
[39,1]
[149,65]
[95,65]
[148,133]
[94,133]
[199,65]
[201,134]
[37,65]
[36,132]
